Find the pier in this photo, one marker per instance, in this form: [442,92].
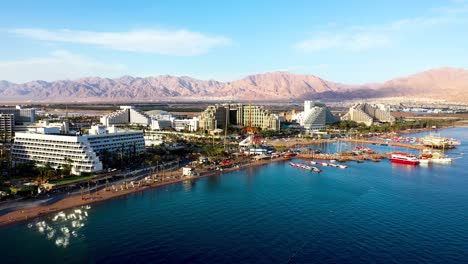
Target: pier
[395,144]
[371,157]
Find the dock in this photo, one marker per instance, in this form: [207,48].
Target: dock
[371,157]
[376,142]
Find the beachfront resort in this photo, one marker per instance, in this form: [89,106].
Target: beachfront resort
[55,168]
[61,152]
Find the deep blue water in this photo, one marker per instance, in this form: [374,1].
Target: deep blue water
[370,212]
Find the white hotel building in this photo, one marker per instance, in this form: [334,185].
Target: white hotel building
[47,145]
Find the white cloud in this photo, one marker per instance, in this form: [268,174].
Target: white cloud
[59,65]
[358,38]
[164,42]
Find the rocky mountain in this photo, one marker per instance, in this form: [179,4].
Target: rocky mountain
[443,83]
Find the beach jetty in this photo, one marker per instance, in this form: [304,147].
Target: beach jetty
[343,158]
[376,142]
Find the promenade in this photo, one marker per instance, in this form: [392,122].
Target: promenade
[116,190]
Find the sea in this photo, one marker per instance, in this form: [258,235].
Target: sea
[371,212]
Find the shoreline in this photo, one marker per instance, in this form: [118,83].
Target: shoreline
[76,200]
[34,212]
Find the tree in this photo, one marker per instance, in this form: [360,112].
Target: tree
[45,173]
[213,150]
[26,168]
[66,169]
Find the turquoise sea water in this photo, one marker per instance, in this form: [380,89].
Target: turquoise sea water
[370,212]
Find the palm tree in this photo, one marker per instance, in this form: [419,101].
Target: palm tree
[66,169]
[45,173]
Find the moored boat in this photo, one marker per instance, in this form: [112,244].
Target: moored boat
[316,169]
[304,166]
[424,161]
[404,158]
[441,160]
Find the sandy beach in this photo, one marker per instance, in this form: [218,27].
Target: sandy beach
[110,193]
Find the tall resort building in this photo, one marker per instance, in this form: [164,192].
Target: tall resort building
[220,115]
[125,116]
[47,145]
[369,114]
[316,116]
[22,115]
[7,123]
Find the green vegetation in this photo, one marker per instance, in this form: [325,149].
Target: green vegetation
[72,179]
[213,150]
[281,148]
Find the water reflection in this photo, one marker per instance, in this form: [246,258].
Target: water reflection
[404,167]
[212,183]
[188,185]
[63,226]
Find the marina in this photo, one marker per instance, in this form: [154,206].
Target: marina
[394,208]
[203,132]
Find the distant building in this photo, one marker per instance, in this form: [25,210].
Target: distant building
[316,116]
[159,115]
[127,115]
[186,124]
[153,138]
[22,115]
[7,124]
[47,145]
[288,116]
[368,114]
[215,116]
[160,124]
[218,116]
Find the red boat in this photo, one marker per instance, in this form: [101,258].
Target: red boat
[404,158]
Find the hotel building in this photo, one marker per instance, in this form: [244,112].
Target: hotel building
[47,145]
[7,123]
[316,116]
[368,114]
[125,116]
[218,116]
[22,115]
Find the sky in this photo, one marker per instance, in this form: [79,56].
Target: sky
[351,42]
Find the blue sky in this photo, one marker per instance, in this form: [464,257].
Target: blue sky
[345,41]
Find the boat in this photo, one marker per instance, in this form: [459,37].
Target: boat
[435,156]
[313,162]
[424,161]
[316,169]
[443,160]
[435,141]
[364,150]
[404,158]
[306,167]
[342,166]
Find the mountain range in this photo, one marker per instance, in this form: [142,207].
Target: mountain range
[449,84]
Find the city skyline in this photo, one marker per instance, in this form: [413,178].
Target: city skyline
[206,40]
